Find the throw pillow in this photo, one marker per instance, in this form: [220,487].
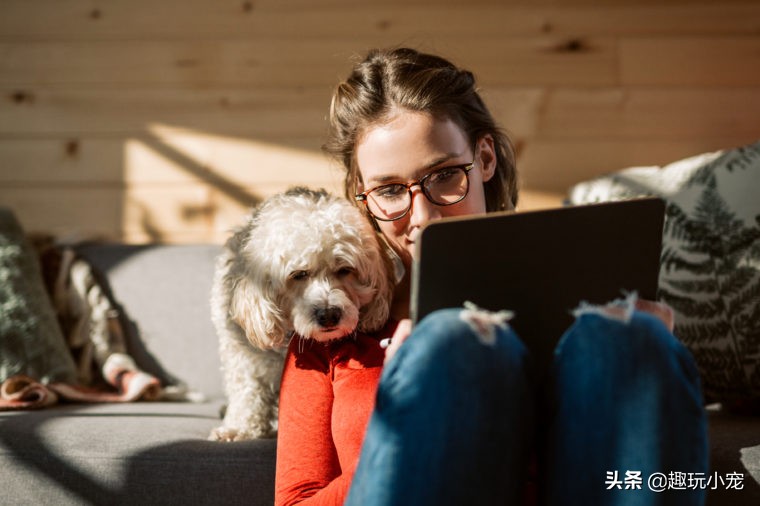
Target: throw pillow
[710,269]
[31,342]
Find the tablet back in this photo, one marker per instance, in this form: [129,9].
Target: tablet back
[540,264]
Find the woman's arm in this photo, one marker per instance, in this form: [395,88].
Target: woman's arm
[307,464]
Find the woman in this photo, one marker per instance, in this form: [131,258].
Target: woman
[453,420]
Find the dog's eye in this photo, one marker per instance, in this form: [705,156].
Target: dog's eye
[344,271]
[299,275]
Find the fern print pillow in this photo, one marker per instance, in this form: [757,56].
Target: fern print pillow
[710,264]
[31,342]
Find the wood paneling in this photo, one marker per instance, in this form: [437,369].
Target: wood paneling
[146,120]
[296,62]
[200,19]
[75,212]
[554,165]
[670,113]
[165,158]
[709,61]
[267,113]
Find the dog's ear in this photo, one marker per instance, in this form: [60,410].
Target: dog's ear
[254,307]
[378,275]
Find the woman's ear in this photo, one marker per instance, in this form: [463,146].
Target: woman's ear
[486,154]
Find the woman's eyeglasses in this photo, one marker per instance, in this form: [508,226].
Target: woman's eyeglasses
[442,187]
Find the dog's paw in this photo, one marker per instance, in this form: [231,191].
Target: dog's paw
[230,434]
[226,434]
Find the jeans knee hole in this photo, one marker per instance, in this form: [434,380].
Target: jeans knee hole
[485,323]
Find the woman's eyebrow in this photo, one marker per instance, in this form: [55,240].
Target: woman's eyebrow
[434,163]
[440,160]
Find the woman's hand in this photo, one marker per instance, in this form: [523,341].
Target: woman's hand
[403,330]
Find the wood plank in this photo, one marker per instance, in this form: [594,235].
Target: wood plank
[269,113]
[165,63]
[74,212]
[294,62]
[61,161]
[172,213]
[534,200]
[229,213]
[556,165]
[222,162]
[168,157]
[263,113]
[690,61]
[546,60]
[201,19]
[635,18]
[656,113]
[156,212]
[516,109]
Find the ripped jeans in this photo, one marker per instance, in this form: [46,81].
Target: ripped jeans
[460,417]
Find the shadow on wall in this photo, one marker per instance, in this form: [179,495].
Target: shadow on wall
[168,203]
[182,181]
[237,192]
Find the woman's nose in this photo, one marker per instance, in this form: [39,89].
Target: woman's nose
[422,210]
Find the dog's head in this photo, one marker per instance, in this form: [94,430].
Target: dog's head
[309,263]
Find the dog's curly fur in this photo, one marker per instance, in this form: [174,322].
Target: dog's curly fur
[306,263]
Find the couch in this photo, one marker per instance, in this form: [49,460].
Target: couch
[157,452]
[142,452]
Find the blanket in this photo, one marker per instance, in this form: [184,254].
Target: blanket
[92,326]
[23,392]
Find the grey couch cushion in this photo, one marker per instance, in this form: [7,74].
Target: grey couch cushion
[164,293]
[141,453]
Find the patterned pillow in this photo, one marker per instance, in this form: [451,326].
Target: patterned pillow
[710,271]
[31,342]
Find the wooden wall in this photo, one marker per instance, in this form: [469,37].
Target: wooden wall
[164,120]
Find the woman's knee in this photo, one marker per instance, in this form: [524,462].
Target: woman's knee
[445,370]
[452,332]
[641,340]
[456,342]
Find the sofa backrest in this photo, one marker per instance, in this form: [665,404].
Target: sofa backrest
[163,292]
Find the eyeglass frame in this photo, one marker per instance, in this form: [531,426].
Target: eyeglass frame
[467,167]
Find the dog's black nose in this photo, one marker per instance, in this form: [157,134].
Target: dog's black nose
[328,316]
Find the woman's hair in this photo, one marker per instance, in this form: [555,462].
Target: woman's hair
[403,78]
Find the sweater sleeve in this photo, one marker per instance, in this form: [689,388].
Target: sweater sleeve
[308,471]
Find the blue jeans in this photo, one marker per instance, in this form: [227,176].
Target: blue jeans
[458,418]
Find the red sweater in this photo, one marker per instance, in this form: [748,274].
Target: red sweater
[327,396]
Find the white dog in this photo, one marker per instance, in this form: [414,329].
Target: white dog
[305,264]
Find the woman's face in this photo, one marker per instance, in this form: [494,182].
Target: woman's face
[408,147]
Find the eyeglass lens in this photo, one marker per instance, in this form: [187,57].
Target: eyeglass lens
[443,187]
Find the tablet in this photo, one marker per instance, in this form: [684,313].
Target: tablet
[539,264]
